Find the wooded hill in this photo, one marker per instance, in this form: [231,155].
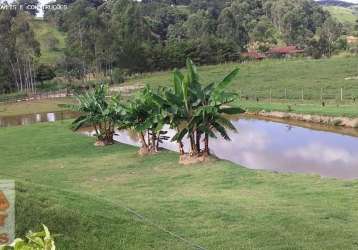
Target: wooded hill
[117,37]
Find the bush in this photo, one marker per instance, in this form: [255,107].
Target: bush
[34,241]
[50,86]
[118,75]
[44,73]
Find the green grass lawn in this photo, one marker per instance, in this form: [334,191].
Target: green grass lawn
[285,79]
[36,106]
[312,108]
[42,30]
[83,193]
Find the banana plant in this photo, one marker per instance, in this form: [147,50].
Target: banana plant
[210,117]
[196,110]
[145,116]
[99,111]
[180,104]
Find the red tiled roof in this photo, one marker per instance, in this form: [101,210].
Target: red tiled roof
[285,50]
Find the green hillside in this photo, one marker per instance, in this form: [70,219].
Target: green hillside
[342,14]
[44,33]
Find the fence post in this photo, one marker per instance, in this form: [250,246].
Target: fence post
[341,94]
[302,95]
[321,94]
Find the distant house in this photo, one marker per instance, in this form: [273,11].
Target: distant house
[253,55]
[284,51]
[351,40]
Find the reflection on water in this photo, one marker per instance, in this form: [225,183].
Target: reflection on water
[7,121]
[280,147]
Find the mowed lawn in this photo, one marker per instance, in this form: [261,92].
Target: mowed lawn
[35,106]
[110,198]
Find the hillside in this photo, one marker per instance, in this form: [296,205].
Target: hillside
[345,15]
[44,33]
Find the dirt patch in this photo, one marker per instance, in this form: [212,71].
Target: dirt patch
[127,89]
[100,143]
[189,159]
[320,119]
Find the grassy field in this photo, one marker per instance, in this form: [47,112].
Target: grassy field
[42,31]
[37,106]
[312,108]
[342,14]
[294,75]
[109,198]
[285,79]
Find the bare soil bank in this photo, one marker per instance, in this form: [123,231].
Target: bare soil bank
[319,119]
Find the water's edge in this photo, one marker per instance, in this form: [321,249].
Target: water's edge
[334,121]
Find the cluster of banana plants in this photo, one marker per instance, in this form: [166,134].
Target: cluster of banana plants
[197,111]
[194,110]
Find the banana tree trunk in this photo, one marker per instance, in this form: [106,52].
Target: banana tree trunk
[142,138]
[192,145]
[206,141]
[198,138]
[181,148]
[153,144]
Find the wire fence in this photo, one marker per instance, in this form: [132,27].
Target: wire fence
[34,96]
[339,95]
[322,95]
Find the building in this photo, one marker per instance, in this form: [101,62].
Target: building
[284,51]
[253,54]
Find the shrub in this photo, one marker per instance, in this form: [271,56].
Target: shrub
[118,75]
[34,241]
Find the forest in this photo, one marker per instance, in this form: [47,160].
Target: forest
[112,39]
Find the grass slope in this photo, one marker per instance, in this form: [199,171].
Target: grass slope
[342,14]
[36,106]
[80,192]
[42,30]
[256,79]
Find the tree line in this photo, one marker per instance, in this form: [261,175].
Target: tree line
[126,36]
[18,52]
[156,35]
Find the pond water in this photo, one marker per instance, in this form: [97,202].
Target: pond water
[8,121]
[274,146]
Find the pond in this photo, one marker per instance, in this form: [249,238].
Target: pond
[17,120]
[260,144]
[276,146]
